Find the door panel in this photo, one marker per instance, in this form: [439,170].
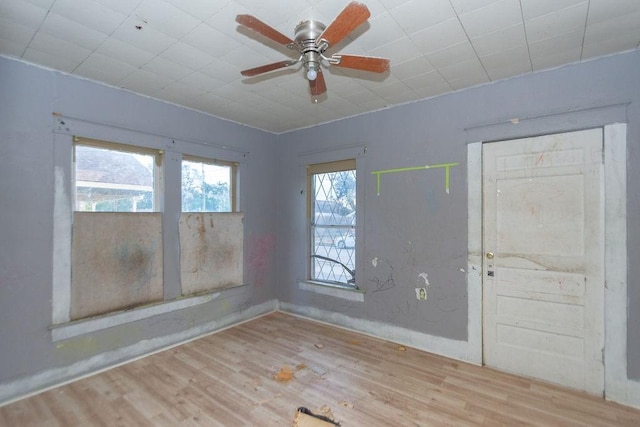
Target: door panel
[543,281]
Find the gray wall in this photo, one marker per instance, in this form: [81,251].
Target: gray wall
[413,226]
[29,95]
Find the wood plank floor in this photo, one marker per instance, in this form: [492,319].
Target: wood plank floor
[258,373]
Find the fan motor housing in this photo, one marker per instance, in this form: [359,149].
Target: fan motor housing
[307,32]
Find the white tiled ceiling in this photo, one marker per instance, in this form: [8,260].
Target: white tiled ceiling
[191,52]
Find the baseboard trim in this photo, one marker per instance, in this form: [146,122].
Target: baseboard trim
[453,349]
[52,378]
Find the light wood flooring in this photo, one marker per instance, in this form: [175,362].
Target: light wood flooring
[260,372]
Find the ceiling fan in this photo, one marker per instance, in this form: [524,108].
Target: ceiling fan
[312,39]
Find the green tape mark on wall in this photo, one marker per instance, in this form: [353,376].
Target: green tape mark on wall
[446,167]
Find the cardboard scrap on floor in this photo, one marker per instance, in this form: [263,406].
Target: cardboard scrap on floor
[305,418]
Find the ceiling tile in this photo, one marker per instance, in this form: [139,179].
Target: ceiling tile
[510,60]
[430,79]
[500,41]
[165,17]
[168,69]
[415,15]
[144,81]
[22,13]
[11,48]
[551,46]
[50,60]
[556,59]
[492,18]
[397,51]
[468,70]
[466,6]
[386,31]
[221,70]
[200,9]
[104,68]
[202,82]
[17,34]
[72,31]
[92,14]
[210,41]
[412,68]
[45,4]
[55,46]
[461,52]
[534,8]
[125,7]
[143,37]
[557,23]
[439,36]
[601,10]
[189,56]
[124,52]
[619,43]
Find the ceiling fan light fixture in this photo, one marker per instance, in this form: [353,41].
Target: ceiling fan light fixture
[312,74]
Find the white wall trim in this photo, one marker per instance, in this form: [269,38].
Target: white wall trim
[42,381]
[332,291]
[433,344]
[474,257]
[617,386]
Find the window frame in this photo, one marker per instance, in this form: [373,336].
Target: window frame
[233,182]
[157,155]
[341,165]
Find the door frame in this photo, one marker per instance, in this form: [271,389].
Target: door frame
[617,385]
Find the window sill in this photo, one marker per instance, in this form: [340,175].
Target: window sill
[332,290]
[84,326]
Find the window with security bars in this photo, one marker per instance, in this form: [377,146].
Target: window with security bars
[332,213]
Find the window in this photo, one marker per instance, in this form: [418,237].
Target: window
[208,185]
[332,213]
[111,177]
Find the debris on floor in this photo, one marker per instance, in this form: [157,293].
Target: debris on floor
[305,418]
[301,366]
[354,342]
[401,348]
[319,345]
[284,375]
[345,404]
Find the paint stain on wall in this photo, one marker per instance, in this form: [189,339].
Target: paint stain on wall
[260,255]
[211,251]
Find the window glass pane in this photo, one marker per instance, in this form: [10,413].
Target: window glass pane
[206,187]
[333,227]
[113,180]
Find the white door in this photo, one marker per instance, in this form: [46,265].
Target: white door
[543,275]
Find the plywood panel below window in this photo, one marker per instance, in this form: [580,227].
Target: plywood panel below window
[116,261]
[210,251]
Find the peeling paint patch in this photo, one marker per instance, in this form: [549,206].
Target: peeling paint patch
[425,277]
[374,262]
[421,294]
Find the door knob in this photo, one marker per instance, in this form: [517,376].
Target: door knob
[489,255]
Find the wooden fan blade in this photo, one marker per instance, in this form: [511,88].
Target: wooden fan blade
[266,68]
[318,86]
[366,63]
[253,23]
[349,19]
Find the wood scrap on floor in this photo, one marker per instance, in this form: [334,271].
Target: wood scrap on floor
[305,418]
